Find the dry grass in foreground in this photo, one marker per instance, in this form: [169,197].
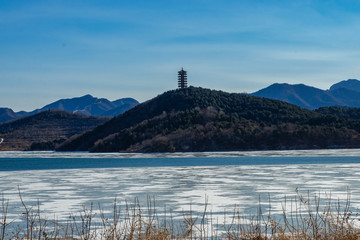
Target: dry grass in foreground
[307,220]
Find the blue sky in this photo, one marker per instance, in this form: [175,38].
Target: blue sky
[127,48]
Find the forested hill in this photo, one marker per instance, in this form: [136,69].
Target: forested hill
[47,127]
[197,119]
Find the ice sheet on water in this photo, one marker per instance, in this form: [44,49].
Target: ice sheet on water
[61,191]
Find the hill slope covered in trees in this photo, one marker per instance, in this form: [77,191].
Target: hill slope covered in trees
[196,119]
[43,130]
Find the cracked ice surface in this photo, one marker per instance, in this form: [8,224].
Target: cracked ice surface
[225,179]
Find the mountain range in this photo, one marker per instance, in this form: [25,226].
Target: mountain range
[193,119]
[345,93]
[197,119]
[86,105]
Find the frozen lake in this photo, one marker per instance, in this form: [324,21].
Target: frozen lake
[63,183]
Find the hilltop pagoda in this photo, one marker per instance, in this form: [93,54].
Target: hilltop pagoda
[182,79]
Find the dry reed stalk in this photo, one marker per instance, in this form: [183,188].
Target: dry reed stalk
[4,211]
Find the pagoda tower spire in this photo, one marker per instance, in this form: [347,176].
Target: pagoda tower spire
[182,79]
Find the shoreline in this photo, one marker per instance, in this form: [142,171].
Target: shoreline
[341,152]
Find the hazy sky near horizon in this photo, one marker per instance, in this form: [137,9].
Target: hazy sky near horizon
[113,49]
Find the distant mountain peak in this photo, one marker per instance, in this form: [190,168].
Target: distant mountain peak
[298,94]
[86,96]
[351,84]
[87,105]
[7,114]
[345,93]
